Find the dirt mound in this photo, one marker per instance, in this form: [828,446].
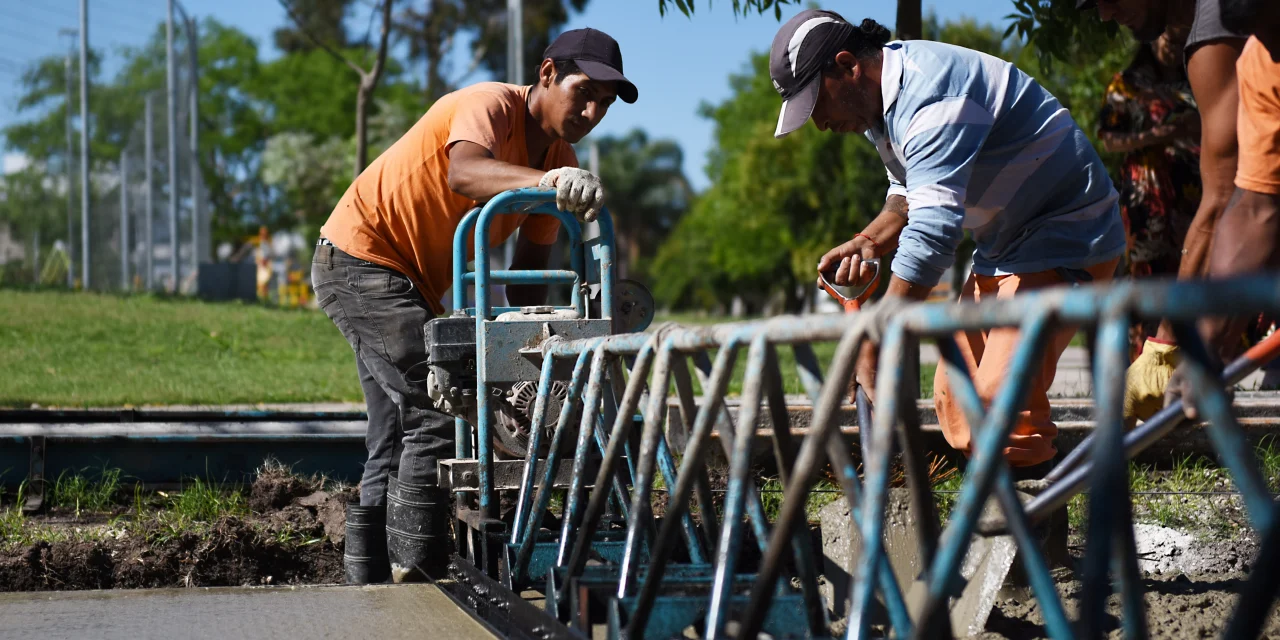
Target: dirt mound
[276,489]
[1180,606]
[299,543]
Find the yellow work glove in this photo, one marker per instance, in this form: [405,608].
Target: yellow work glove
[1146,380]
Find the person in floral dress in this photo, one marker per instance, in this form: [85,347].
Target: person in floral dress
[1150,116]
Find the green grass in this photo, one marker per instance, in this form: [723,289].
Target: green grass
[83,493]
[155,516]
[89,350]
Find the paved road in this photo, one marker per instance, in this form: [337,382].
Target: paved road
[385,612]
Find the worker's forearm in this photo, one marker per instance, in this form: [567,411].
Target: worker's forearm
[905,289]
[886,227]
[1195,248]
[1246,241]
[483,178]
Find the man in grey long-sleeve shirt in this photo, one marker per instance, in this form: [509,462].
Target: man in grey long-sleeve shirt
[969,143]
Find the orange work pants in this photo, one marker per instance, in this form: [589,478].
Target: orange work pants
[989,354]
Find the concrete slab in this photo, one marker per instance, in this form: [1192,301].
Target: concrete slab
[385,612]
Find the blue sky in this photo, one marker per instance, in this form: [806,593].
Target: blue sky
[677,62]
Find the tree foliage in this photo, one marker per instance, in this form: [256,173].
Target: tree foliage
[433,27]
[774,206]
[244,104]
[323,20]
[648,193]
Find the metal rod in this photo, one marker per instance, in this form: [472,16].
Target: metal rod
[689,417]
[527,276]
[85,132]
[877,450]
[535,444]
[1172,417]
[739,476]
[586,428]
[171,90]
[71,232]
[962,387]
[654,417]
[822,439]
[694,454]
[199,234]
[148,204]
[784,456]
[990,440]
[543,496]
[124,220]
[1110,510]
[1225,433]
[622,426]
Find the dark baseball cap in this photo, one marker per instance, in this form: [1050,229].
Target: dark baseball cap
[803,47]
[597,54]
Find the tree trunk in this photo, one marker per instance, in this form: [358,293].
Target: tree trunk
[633,254]
[910,23]
[369,82]
[362,126]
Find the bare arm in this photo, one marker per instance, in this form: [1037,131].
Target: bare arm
[1247,241]
[1212,71]
[476,174]
[528,255]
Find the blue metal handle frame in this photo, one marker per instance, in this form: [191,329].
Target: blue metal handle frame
[517,202]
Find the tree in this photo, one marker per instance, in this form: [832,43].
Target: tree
[309,169]
[739,6]
[1057,31]
[322,20]
[432,31]
[909,23]
[648,193]
[368,78]
[32,200]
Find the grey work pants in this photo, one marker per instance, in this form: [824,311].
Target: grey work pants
[381,314]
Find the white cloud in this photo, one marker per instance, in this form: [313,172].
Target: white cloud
[12,162]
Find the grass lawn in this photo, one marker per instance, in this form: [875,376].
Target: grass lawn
[86,350]
[64,349]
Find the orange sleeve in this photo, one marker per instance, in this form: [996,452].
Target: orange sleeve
[542,229]
[1258,124]
[483,118]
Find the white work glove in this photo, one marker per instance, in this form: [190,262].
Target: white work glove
[577,191]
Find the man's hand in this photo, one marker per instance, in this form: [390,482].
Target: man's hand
[849,259]
[578,191]
[1180,388]
[1147,381]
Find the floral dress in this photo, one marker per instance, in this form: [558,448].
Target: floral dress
[1159,185]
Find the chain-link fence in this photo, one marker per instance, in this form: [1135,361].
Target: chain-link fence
[152,194]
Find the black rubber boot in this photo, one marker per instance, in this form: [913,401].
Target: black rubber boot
[418,541]
[365,553]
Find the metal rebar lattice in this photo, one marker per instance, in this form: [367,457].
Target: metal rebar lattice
[660,576]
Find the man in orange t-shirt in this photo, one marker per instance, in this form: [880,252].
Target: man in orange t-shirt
[1247,237]
[385,259]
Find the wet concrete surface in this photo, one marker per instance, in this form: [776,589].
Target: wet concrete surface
[386,612]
